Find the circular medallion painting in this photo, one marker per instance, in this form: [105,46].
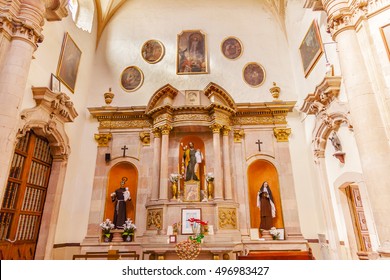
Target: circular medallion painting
[231,48]
[152,51]
[132,78]
[253,74]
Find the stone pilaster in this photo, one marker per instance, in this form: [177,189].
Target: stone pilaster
[218,191]
[156,163]
[227,177]
[164,178]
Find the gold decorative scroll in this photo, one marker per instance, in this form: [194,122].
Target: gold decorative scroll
[238,135]
[282,134]
[145,138]
[103,139]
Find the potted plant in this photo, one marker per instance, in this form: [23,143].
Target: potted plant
[128,230]
[106,227]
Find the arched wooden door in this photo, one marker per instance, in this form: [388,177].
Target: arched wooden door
[258,172]
[24,198]
[117,172]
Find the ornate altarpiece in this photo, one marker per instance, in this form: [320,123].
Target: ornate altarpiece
[227,133]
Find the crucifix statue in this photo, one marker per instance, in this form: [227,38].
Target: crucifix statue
[259,143]
[124,150]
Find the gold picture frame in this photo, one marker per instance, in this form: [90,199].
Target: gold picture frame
[231,48]
[132,78]
[152,51]
[385,32]
[191,191]
[191,53]
[253,74]
[311,48]
[68,63]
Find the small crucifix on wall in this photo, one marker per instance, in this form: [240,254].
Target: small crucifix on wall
[259,143]
[124,150]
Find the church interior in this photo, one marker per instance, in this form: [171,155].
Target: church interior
[210,130]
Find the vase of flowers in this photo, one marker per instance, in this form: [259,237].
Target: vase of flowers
[196,225]
[128,230]
[106,227]
[210,184]
[275,234]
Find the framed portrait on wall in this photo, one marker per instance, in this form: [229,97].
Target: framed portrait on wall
[152,51]
[191,53]
[311,48]
[192,97]
[132,78]
[55,84]
[253,74]
[231,48]
[188,213]
[385,32]
[68,63]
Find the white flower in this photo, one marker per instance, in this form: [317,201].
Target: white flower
[174,178]
[209,177]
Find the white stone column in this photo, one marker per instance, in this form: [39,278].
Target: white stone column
[227,177]
[369,129]
[326,202]
[156,164]
[164,178]
[218,191]
[16,56]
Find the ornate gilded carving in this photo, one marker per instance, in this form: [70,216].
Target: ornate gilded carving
[103,139]
[275,91]
[227,218]
[156,132]
[254,120]
[124,124]
[225,130]
[145,138]
[165,129]
[282,134]
[238,135]
[154,218]
[216,128]
[191,117]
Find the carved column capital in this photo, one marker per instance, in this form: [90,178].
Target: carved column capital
[156,132]
[165,129]
[282,134]
[103,139]
[225,130]
[56,9]
[23,20]
[238,135]
[145,138]
[216,128]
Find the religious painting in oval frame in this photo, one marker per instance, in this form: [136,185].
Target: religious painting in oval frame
[152,51]
[231,48]
[253,74]
[132,78]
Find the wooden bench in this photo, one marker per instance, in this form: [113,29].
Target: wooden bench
[278,255]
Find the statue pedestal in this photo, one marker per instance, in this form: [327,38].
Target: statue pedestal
[117,235]
[266,235]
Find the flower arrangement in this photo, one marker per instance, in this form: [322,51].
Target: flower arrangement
[128,227]
[209,177]
[275,234]
[196,224]
[106,227]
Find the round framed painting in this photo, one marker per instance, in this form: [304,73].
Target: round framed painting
[132,78]
[152,51]
[253,74]
[231,48]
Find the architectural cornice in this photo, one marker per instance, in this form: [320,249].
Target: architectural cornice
[324,94]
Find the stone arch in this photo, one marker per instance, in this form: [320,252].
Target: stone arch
[47,119]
